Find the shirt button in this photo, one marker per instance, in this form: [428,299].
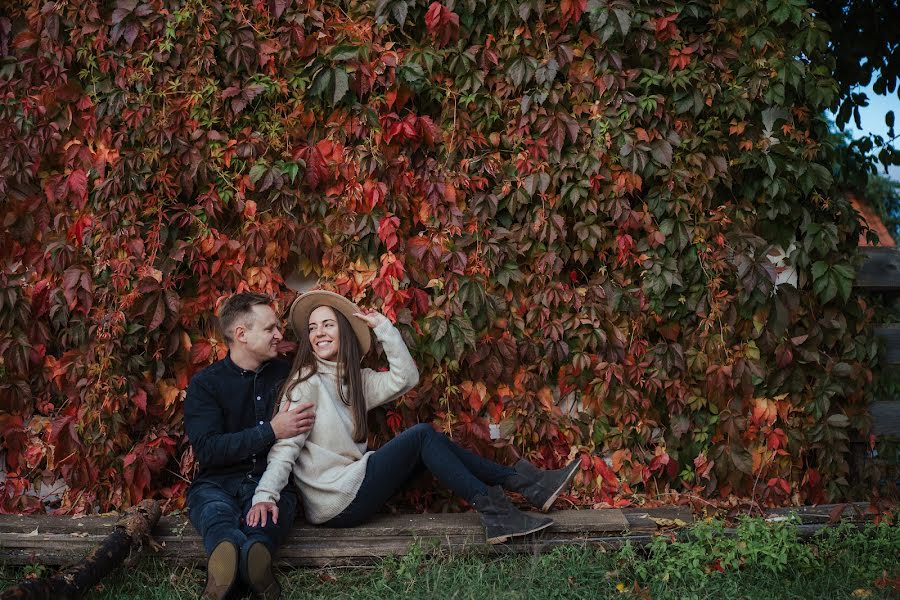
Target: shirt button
[259,397]
[249,476]
[260,422]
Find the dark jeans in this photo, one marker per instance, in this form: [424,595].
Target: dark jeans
[218,515]
[392,465]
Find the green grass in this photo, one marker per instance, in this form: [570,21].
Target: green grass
[763,560]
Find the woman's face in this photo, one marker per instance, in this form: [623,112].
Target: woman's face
[323,333]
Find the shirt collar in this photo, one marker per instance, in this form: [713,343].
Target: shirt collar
[241,371]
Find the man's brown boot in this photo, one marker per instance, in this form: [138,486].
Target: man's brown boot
[258,565]
[221,571]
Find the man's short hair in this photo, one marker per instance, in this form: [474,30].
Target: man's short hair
[237,307]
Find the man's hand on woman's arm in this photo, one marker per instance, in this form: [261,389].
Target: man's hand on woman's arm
[290,423]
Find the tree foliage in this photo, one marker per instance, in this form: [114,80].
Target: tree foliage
[570,209]
[866,50]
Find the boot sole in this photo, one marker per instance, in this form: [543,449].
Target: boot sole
[499,539]
[221,570]
[562,486]
[259,572]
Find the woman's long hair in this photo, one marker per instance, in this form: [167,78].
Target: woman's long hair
[348,373]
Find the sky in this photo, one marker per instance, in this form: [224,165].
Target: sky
[872,120]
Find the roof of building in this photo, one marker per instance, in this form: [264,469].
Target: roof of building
[873,221]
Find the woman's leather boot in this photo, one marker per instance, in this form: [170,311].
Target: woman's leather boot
[502,520]
[540,487]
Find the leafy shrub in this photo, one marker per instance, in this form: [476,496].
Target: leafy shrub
[569,209]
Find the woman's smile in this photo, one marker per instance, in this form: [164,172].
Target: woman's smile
[323,333]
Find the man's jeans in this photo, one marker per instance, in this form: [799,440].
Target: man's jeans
[219,515]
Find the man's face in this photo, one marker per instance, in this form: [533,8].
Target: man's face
[259,333]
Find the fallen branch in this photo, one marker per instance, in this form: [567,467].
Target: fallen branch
[74,582]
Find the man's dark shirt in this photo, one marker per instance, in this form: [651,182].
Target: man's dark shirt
[226,417]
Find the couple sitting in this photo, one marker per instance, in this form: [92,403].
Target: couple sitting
[240,501]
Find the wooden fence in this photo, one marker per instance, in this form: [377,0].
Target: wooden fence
[881,273]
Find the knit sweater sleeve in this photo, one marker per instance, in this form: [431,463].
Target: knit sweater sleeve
[284,454]
[402,375]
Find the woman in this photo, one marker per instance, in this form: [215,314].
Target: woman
[342,483]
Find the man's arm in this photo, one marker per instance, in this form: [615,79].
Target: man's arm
[204,424]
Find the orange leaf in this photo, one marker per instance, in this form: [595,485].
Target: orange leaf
[571,11]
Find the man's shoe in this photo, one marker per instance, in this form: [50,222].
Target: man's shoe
[502,520]
[258,572]
[540,488]
[221,571]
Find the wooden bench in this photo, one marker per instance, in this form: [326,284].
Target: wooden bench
[57,540]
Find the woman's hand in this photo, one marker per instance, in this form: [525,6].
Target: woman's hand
[259,512]
[372,318]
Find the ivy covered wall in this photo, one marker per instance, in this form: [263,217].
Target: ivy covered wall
[576,212]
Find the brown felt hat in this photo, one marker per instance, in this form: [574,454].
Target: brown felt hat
[304,304]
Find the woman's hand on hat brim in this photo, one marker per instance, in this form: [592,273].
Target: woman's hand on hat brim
[371,317]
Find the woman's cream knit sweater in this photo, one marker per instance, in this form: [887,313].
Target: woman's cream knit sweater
[328,465]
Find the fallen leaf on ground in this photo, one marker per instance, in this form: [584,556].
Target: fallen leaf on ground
[661,522]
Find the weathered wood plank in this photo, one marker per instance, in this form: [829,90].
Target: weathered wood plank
[889,335]
[60,524]
[61,540]
[885,418]
[130,532]
[648,520]
[812,515]
[880,271]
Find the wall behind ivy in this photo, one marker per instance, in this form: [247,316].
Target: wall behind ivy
[570,209]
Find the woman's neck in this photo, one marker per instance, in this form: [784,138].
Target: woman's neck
[326,366]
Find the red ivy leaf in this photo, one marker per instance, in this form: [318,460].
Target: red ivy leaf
[394,421]
[602,469]
[201,350]
[240,101]
[571,11]
[76,184]
[278,7]
[77,288]
[140,399]
[421,302]
[373,195]
[387,230]
[428,130]
[131,32]
[76,231]
[679,59]
[391,266]
[442,23]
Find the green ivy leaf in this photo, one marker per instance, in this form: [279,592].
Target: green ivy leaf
[341,85]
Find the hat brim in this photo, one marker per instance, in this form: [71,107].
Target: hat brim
[304,304]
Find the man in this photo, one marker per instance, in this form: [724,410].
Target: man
[228,417]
